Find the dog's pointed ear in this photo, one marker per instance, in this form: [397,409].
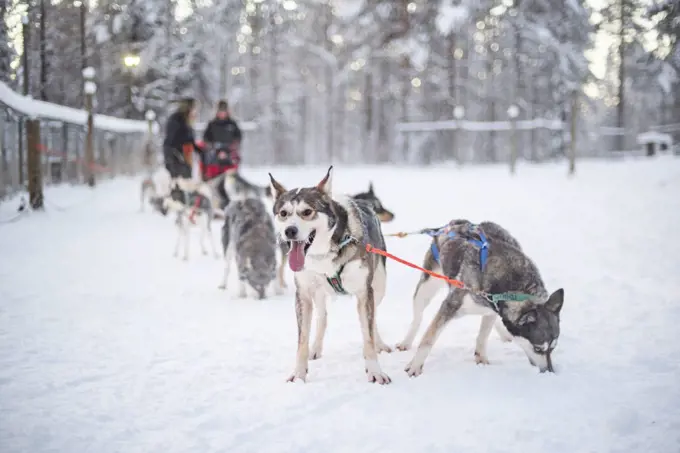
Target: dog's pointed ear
[276,189]
[555,301]
[527,318]
[370,188]
[325,184]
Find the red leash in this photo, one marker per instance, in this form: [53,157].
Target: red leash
[194,209]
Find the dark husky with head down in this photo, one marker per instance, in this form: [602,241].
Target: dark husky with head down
[533,324]
[325,236]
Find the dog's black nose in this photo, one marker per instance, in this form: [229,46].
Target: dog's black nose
[291,232]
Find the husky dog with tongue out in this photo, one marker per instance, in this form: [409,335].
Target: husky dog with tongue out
[326,239]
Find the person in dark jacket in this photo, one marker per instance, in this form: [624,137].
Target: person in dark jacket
[179,143]
[224,137]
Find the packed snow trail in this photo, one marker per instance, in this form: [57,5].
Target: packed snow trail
[109,344]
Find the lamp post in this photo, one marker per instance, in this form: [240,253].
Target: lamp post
[150,117]
[458,114]
[90,88]
[513,113]
[131,61]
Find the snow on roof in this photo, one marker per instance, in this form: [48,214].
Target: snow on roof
[41,109]
[654,136]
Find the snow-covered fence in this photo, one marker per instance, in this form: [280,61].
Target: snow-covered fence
[484,141]
[119,144]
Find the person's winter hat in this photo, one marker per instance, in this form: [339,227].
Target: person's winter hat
[186,104]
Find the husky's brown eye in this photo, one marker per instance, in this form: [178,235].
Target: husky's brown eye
[283,213]
[307,213]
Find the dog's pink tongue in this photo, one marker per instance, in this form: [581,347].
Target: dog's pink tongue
[296,259]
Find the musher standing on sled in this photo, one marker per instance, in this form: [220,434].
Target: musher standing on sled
[223,136]
[179,143]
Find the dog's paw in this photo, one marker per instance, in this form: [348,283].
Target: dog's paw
[315,354]
[403,346]
[414,369]
[481,359]
[278,290]
[298,376]
[222,286]
[375,374]
[383,348]
[378,377]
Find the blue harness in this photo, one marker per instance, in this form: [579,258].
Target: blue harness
[482,243]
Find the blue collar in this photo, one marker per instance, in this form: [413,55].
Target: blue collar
[482,243]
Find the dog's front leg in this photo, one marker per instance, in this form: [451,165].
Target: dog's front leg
[228,258]
[366,309]
[425,290]
[502,331]
[211,239]
[303,313]
[447,310]
[185,233]
[204,233]
[178,222]
[379,284]
[321,323]
[281,271]
[485,327]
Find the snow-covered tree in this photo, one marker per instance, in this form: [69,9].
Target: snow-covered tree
[6,48]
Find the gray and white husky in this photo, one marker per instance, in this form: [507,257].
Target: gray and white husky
[533,324]
[370,197]
[326,237]
[248,236]
[193,206]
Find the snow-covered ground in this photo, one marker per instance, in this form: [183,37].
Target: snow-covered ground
[108,344]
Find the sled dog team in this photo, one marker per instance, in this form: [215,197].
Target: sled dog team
[332,244]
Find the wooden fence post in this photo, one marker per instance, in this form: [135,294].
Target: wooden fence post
[35,183]
[513,112]
[572,144]
[90,89]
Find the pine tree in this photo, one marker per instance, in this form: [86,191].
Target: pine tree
[6,49]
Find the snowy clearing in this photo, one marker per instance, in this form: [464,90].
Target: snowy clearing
[108,344]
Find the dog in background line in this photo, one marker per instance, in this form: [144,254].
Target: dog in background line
[155,187]
[193,206]
[248,237]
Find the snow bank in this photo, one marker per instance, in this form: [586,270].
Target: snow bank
[41,109]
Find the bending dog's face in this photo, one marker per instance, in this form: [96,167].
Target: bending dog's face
[301,214]
[536,328]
